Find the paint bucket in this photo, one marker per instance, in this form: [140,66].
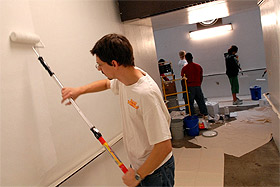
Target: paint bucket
[177,130]
[255,92]
[191,125]
[172,102]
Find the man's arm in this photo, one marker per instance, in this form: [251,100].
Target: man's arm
[74,93]
[158,154]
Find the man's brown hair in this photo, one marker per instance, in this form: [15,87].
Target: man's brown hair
[114,47]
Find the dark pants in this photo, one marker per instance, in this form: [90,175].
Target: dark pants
[163,176]
[195,93]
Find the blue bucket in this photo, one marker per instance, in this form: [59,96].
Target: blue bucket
[191,125]
[255,92]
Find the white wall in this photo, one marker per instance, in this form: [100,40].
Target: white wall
[102,171]
[270,14]
[246,34]
[145,58]
[43,141]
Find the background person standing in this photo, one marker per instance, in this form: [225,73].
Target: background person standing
[182,62]
[232,70]
[194,75]
[161,63]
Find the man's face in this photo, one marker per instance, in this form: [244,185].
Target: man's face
[106,69]
[182,57]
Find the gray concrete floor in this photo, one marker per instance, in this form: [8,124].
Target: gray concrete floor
[257,168]
[260,167]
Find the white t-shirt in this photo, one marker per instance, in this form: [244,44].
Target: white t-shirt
[182,63]
[146,120]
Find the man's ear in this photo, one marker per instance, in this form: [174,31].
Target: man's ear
[115,63]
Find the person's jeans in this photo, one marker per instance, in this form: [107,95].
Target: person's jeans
[195,93]
[163,176]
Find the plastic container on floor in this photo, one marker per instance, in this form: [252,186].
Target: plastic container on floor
[191,125]
[255,92]
[177,130]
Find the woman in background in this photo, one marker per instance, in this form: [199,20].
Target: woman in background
[232,70]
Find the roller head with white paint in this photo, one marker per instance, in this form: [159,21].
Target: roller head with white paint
[25,38]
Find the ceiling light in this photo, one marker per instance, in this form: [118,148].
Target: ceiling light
[211,32]
[207,11]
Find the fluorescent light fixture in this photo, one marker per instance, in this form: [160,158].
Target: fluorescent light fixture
[207,11]
[211,32]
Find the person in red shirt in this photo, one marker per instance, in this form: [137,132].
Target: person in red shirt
[194,74]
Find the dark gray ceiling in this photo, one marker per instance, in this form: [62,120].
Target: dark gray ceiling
[139,9]
[180,17]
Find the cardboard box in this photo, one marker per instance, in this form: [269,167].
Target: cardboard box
[212,107]
[170,87]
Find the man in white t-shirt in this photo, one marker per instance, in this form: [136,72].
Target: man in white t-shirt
[182,61]
[145,118]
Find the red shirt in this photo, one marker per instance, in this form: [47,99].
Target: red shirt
[193,72]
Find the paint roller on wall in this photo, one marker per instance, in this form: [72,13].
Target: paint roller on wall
[26,38]
[34,40]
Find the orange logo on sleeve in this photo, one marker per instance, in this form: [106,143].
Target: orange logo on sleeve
[133,104]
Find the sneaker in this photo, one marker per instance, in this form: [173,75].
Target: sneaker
[237,102]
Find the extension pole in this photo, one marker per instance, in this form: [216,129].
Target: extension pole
[93,129]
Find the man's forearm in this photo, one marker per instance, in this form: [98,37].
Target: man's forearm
[158,154]
[96,86]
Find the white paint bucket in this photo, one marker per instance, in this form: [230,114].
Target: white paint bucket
[177,130]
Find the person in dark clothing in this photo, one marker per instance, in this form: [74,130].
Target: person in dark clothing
[232,70]
[161,70]
[194,74]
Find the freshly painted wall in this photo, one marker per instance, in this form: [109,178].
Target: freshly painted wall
[43,141]
[270,14]
[246,34]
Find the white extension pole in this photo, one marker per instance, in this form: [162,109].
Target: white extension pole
[95,131]
[61,86]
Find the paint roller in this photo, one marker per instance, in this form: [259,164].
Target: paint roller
[26,38]
[33,39]
[262,79]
